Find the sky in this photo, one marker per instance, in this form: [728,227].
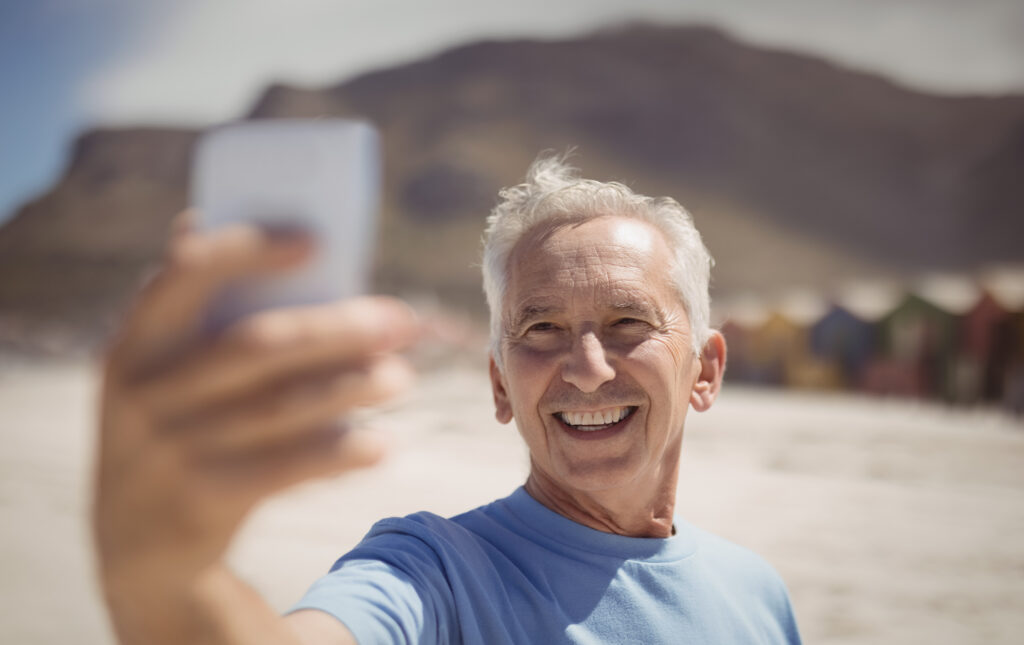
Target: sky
[67,65]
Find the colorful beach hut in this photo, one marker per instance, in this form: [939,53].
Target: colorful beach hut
[846,341]
[915,340]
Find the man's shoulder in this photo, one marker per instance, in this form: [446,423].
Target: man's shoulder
[458,545]
[423,526]
[738,565]
[435,530]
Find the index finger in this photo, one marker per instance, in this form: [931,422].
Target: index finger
[274,346]
[168,313]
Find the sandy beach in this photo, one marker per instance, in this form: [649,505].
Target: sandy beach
[891,521]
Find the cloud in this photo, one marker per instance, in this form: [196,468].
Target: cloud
[213,57]
[206,61]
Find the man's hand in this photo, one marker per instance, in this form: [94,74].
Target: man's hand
[196,430]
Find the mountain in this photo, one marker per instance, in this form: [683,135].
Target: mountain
[798,172]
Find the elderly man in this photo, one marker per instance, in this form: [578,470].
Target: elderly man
[600,344]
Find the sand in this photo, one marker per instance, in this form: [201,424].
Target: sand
[892,522]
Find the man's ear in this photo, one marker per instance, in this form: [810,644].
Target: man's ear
[712,368]
[502,405]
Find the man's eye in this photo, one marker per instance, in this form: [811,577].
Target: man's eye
[540,327]
[626,322]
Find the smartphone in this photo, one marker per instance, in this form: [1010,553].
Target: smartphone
[319,176]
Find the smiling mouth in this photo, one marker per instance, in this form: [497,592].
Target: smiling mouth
[594,420]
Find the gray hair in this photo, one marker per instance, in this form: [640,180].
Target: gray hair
[554,193]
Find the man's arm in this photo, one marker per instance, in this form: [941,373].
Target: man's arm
[195,431]
[216,608]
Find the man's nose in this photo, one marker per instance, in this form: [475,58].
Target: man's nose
[587,365]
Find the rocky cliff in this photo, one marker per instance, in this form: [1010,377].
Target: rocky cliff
[798,172]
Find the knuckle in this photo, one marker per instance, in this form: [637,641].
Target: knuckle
[188,253]
[143,396]
[127,410]
[269,413]
[284,329]
[269,331]
[294,409]
[354,387]
[169,452]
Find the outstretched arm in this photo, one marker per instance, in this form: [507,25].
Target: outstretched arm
[195,431]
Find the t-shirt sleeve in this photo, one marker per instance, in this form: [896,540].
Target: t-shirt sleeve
[389,589]
[775,601]
[783,611]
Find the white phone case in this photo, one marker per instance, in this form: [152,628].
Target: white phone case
[319,176]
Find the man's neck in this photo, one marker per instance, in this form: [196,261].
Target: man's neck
[634,513]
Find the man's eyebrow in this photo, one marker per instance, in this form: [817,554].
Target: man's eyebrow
[639,308]
[532,311]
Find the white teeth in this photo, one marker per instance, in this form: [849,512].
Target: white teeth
[597,418]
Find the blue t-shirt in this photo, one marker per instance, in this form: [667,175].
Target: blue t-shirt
[514,571]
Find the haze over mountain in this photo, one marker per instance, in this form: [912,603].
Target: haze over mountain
[798,172]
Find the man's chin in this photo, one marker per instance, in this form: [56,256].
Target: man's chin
[601,476]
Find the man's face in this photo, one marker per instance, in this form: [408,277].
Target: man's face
[598,366]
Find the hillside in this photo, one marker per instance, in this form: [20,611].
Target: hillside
[798,172]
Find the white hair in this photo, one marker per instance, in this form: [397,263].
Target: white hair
[553,193]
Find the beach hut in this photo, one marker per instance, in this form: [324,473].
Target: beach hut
[1005,373]
[959,373]
[1012,372]
[740,315]
[804,369]
[876,372]
[770,344]
[985,351]
[738,366]
[916,342]
[780,350]
[845,340]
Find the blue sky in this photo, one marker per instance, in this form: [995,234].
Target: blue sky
[66,65]
[46,48]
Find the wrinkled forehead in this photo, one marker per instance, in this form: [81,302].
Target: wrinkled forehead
[608,236]
[600,258]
